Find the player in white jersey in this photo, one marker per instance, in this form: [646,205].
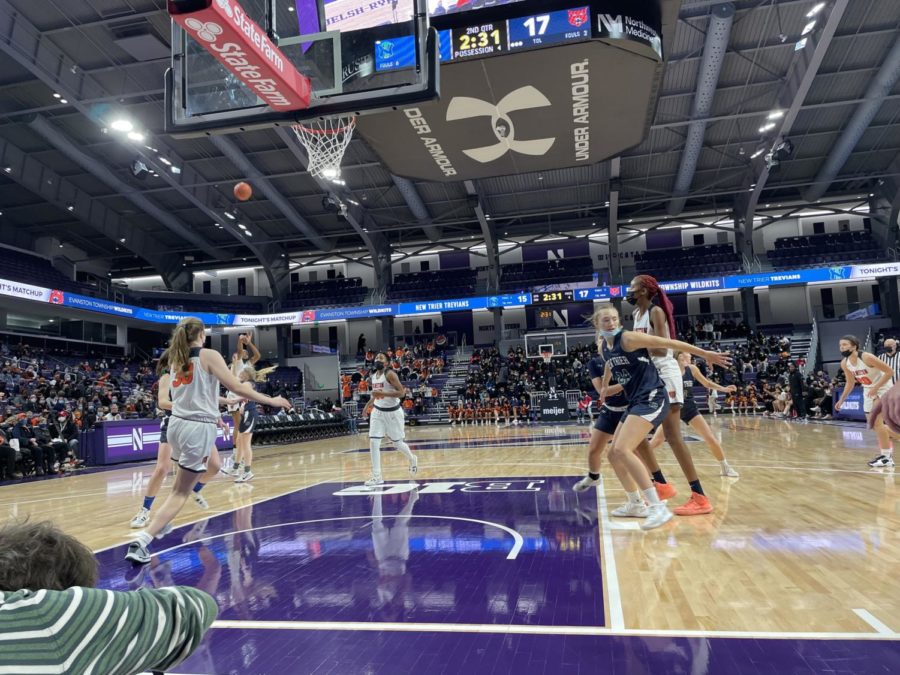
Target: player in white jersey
[654,315]
[246,356]
[876,377]
[386,418]
[196,374]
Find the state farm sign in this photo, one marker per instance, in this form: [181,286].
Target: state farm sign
[223,28]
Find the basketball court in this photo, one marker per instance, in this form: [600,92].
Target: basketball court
[490,563]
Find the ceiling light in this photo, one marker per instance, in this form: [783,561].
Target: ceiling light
[55,95]
[52,320]
[800,45]
[757,153]
[7,169]
[290,8]
[330,173]
[248,233]
[62,100]
[767,127]
[242,226]
[776,114]
[61,245]
[70,208]
[228,215]
[136,136]
[165,161]
[122,240]
[815,10]
[808,27]
[122,125]
[176,170]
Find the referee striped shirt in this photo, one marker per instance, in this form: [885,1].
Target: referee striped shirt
[90,630]
[893,360]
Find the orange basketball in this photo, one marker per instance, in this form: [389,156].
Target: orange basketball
[243,191]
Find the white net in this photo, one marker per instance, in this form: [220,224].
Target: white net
[325,142]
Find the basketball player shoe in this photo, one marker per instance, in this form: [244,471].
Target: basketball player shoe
[200,500]
[633,510]
[697,505]
[413,465]
[882,462]
[657,515]
[729,471]
[665,491]
[585,484]
[374,482]
[141,519]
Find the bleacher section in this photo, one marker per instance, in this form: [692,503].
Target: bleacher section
[31,269]
[557,271]
[697,261]
[457,283]
[326,293]
[824,249]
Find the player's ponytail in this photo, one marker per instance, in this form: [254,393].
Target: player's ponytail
[655,291]
[162,366]
[186,332]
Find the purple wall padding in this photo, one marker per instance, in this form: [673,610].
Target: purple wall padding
[454,260]
[460,323]
[571,248]
[663,239]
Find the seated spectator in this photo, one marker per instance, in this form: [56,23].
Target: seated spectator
[113,414]
[47,596]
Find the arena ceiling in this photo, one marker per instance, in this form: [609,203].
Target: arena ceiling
[818,91]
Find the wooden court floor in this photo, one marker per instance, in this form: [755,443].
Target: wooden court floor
[806,540]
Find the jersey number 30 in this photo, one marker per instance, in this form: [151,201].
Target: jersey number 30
[184,378]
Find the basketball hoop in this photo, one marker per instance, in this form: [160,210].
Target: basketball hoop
[546,356]
[326,141]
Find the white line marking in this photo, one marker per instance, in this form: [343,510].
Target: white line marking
[873,621]
[616,615]
[521,629]
[518,541]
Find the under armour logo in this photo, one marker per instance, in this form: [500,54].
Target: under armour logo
[227,7]
[525,98]
[207,31]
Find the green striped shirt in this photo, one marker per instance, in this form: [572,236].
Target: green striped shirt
[89,630]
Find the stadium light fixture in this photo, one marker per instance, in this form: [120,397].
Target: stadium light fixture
[800,45]
[122,125]
[56,95]
[776,115]
[815,10]
[808,28]
[136,136]
[7,169]
[242,226]
[70,208]
[767,127]
[63,101]
[757,153]
[228,215]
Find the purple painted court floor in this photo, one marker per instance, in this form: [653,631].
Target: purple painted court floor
[499,575]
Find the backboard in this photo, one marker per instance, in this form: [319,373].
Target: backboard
[536,344]
[359,55]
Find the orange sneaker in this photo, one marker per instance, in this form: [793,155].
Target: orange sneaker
[665,491]
[697,505]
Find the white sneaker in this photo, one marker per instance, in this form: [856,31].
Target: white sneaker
[413,465]
[658,515]
[244,477]
[229,470]
[168,527]
[631,510]
[585,484]
[729,472]
[141,519]
[882,462]
[200,500]
[374,481]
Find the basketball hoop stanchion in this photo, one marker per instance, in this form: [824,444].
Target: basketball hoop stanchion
[325,141]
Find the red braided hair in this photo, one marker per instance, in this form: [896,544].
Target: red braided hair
[655,291]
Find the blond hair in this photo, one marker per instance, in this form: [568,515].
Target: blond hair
[595,318]
[254,375]
[186,332]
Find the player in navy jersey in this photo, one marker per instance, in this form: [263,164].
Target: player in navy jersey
[691,416]
[627,359]
[610,414]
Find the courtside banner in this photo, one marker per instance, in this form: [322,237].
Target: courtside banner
[223,28]
[15,289]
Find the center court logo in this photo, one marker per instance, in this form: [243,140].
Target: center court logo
[445,487]
[524,98]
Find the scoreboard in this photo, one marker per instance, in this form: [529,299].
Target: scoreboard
[490,38]
[550,297]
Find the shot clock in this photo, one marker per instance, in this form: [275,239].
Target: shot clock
[548,297]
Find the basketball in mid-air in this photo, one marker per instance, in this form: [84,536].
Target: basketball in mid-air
[243,191]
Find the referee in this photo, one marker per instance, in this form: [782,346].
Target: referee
[892,357]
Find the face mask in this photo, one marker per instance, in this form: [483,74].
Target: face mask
[846,354]
[61,419]
[379,365]
[611,333]
[631,298]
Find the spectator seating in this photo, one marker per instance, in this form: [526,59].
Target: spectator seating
[557,271]
[686,263]
[456,283]
[32,269]
[816,250]
[326,293]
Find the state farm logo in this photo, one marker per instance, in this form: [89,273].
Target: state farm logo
[205,30]
[226,7]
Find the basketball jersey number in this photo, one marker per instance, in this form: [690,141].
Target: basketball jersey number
[184,378]
[864,380]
